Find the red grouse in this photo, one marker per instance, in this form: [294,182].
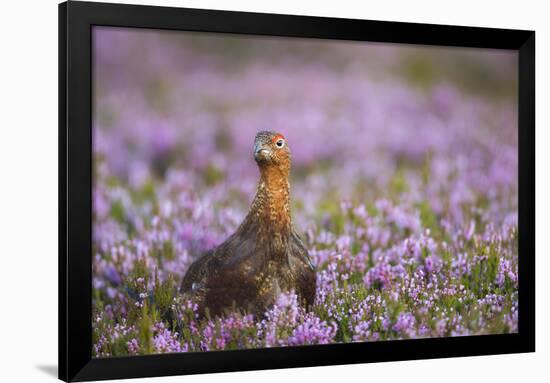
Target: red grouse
[265,256]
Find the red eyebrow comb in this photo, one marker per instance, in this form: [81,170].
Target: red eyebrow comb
[277,137]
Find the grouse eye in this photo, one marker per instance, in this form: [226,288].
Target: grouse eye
[280,143]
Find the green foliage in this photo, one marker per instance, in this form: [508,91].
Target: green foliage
[213,175]
[429,219]
[144,325]
[163,294]
[399,183]
[118,211]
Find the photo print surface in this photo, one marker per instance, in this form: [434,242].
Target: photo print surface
[253,192]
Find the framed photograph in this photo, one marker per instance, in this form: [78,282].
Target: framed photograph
[246,191]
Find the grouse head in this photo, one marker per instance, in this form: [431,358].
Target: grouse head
[271,151]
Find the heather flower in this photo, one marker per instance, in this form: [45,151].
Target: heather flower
[312,331]
[164,340]
[405,325]
[133,347]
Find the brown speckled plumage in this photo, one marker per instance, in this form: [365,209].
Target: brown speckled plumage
[265,256]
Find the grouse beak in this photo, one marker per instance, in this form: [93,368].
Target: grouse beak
[261,153]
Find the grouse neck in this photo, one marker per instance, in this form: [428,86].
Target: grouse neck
[271,206]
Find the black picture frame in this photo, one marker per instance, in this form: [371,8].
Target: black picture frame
[75,184]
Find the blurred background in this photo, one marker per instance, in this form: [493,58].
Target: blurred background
[414,124]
